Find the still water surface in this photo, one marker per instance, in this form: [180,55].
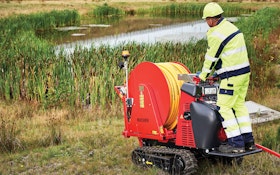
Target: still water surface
[190,31]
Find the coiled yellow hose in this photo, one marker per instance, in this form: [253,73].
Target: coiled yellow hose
[171,71]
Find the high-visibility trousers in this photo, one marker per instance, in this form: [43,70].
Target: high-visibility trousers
[231,103]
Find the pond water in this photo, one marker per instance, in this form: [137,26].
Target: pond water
[148,31]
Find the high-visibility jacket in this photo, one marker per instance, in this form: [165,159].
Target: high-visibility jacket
[227,55]
[226,52]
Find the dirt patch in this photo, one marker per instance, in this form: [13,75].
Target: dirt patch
[28,7]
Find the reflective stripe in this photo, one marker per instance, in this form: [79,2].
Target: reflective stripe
[226,91]
[241,71]
[220,35]
[232,68]
[246,129]
[212,59]
[218,64]
[243,119]
[224,43]
[206,70]
[233,133]
[230,122]
[231,52]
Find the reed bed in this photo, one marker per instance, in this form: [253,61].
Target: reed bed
[190,9]
[38,21]
[31,71]
[25,58]
[260,47]
[105,14]
[106,11]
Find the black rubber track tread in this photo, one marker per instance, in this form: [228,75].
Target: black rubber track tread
[187,156]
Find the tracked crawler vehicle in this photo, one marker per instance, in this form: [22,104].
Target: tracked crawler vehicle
[174,116]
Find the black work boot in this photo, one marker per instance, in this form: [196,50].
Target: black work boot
[249,141]
[227,148]
[250,146]
[233,145]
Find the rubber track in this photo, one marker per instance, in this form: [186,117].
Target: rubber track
[187,156]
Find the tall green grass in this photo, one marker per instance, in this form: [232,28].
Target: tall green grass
[26,60]
[107,11]
[190,9]
[105,14]
[30,69]
[36,22]
[256,30]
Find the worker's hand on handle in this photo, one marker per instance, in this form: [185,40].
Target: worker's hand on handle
[215,75]
[197,74]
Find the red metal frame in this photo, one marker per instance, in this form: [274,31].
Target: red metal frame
[185,135]
[150,104]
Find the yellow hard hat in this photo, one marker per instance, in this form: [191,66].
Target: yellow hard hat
[212,9]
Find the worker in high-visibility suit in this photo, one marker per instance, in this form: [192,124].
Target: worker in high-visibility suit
[227,56]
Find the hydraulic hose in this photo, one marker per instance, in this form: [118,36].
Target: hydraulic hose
[268,150]
[171,71]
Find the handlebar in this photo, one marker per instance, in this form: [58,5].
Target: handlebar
[193,78]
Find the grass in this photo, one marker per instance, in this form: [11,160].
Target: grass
[92,143]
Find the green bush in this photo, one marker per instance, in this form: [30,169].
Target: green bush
[107,11]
